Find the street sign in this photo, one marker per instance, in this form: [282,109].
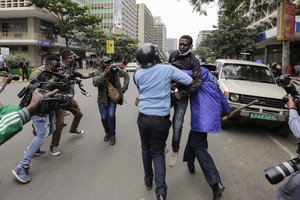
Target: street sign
[110,47]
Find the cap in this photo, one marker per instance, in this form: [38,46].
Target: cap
[106,59]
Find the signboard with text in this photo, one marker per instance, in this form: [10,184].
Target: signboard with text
[286,21]
[289,21]
[110,47]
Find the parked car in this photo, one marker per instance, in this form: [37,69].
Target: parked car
[244,81]
[132,66]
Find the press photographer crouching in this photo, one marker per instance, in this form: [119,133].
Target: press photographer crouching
[291,189]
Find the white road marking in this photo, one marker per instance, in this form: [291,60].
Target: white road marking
[284,148]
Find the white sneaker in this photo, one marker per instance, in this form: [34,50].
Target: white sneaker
[173,159]
[54,151]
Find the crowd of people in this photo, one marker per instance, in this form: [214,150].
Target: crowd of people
[181,81]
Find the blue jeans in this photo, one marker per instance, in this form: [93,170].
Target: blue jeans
[154,131]
[178,119]
[197,147]
[108,117]
[43,126]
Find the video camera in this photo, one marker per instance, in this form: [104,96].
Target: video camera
[59,100]
[277,173]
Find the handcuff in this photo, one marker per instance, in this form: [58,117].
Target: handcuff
[174,91]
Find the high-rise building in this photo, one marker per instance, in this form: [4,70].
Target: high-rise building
[129,18]
[145,24]
[159,33]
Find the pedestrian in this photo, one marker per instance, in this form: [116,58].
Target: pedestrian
[44,124]
[207,106]
[24,66]
[106,105]
[183,59]
[153,81]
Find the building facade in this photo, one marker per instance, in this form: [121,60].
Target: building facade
[145,24]
[159,34]
[202,35]
[270,46]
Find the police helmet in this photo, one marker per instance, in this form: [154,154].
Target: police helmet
[148,55]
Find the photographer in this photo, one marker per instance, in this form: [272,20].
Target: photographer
[291,189]
[107,106]
[69,69]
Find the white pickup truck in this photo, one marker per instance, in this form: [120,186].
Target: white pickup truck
[244,81]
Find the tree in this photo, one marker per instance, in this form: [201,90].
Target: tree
[96,38]
[71,17]
[228,6]
[231,38]
[125,48]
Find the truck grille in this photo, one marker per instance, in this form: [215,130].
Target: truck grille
[268,102]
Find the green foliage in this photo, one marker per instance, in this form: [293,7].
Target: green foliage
[72,18]
[12,60]
[125,48]
[231,38]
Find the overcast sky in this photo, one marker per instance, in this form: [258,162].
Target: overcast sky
[179,18]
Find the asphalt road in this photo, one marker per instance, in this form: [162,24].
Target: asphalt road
[91,169]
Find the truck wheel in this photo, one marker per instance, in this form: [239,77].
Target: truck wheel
[283,130]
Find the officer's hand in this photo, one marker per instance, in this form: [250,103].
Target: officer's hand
[291,103]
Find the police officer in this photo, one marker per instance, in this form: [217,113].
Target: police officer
[153,81]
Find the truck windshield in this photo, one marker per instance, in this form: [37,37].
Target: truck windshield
[247,73]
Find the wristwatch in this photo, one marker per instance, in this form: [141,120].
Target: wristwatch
[174,91]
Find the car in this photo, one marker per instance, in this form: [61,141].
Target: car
[132,66]
[245,81]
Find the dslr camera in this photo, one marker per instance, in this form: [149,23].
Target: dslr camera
[277,173]
[283,80]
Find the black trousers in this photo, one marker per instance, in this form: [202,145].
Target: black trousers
[197,147]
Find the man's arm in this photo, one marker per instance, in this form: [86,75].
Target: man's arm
[294,118]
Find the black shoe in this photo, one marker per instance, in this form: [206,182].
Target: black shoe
[112,140]
[106,138]
[191,167]
[148,185]
[217,189]
[160,197]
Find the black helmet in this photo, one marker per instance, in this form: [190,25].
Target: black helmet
[148,55]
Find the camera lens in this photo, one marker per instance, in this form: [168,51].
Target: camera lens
[277,173]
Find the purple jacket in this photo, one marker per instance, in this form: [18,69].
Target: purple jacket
[207,104]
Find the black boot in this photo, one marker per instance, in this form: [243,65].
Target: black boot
[217,189]
[191,167]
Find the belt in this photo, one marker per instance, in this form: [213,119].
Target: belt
[154,116]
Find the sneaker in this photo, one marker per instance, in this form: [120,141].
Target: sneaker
[22,174]
[78,132]
[106,138]
[173,159]
[39,152]
[160,197]
[54,151]
[217,189]
[112,140]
